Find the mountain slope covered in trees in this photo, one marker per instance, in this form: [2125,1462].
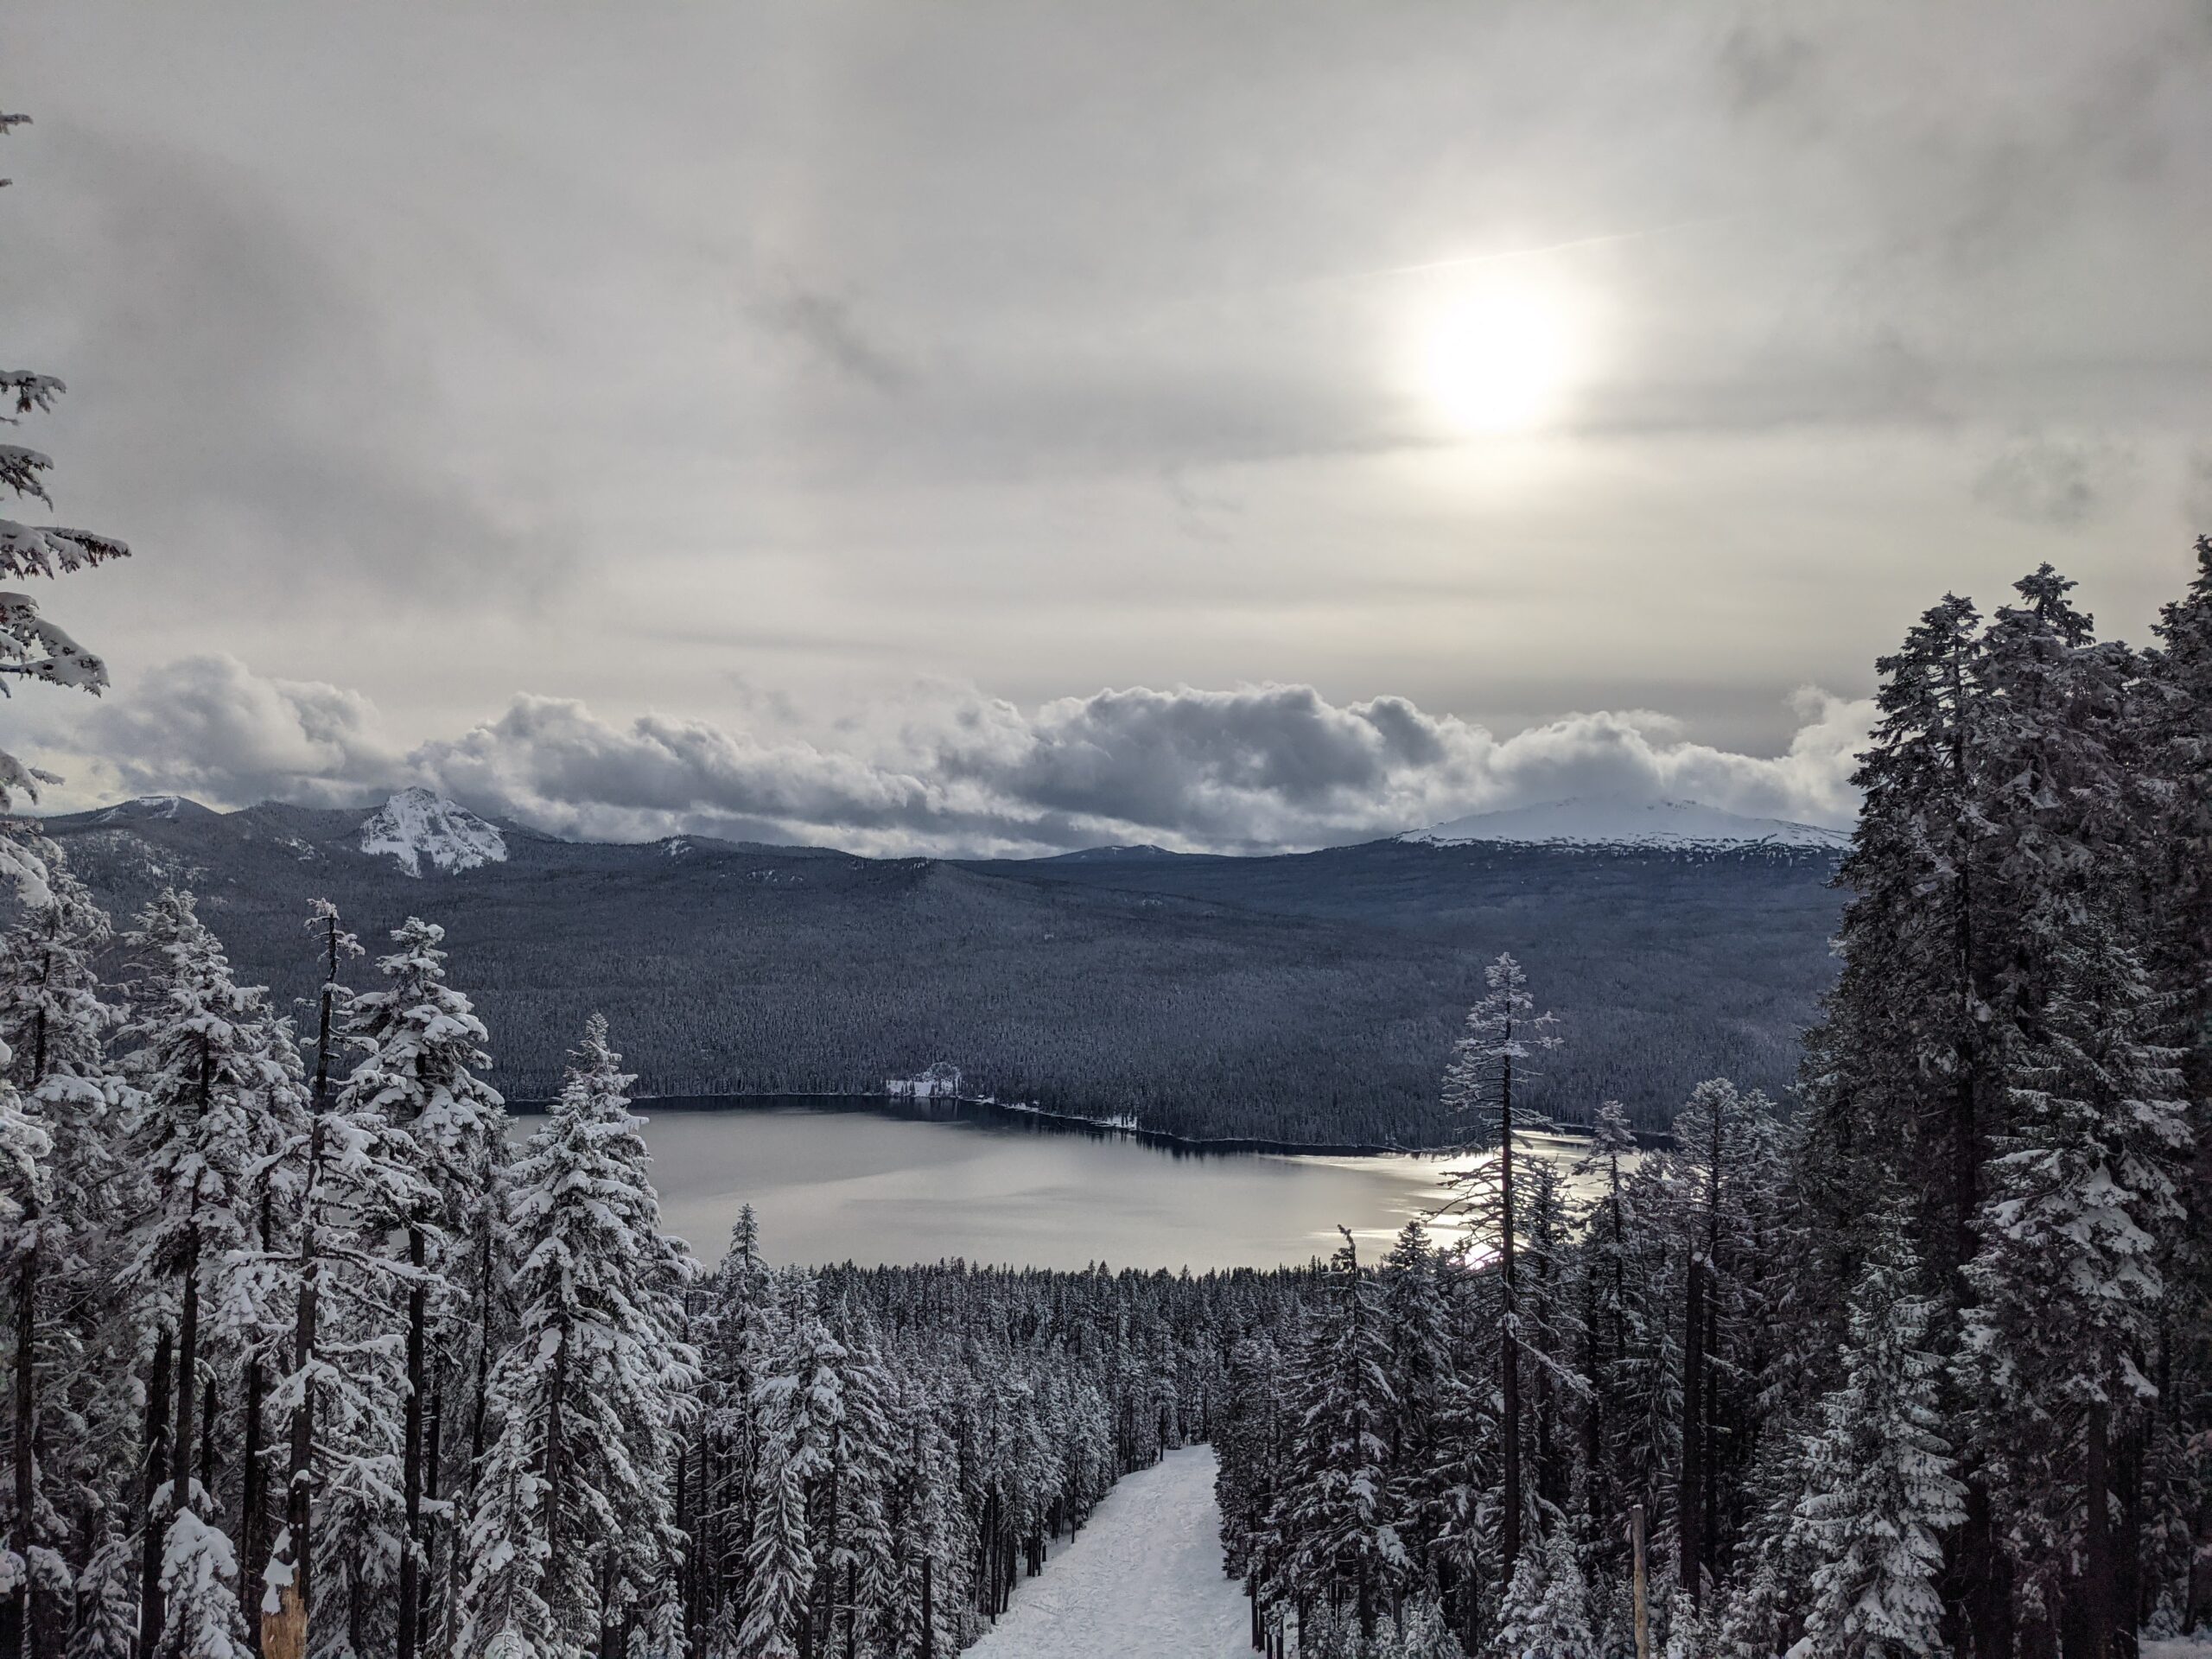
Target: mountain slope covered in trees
[1307,998]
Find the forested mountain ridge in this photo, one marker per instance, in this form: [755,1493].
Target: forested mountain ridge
[1301,997]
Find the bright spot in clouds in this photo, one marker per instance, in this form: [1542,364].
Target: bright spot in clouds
[1499,355]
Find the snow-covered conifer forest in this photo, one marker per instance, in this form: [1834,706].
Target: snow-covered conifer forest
[310,1354]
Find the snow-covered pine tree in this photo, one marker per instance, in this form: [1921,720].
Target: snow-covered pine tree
[904,1611]
[24,1199]
[30,646]
[1725,1164]
[791,1415]
[1545,1612]
[575,1528]
[1881,1488]
[1463,1556]
[340,1386]
[424,1048]
[2174,740]
[1416,1630]
[1996,826]
[198,1574]
[289,1571]
[1770,1584]
[1246,1438]
[738,1338]
[1339,1542]
[858,1446]
[2069,1284]
[1551,1334]
[1900,1074]
[1601,1266]
[260,1288]
[1685,1635]
[106,1624]
[206,1066]
[63,1242]
[1418,1338]
[1646,1444]
[1501,1033]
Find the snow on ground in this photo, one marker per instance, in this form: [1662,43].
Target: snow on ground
[418,823]
[1141,1581]
[2195,1646]
[1614,821]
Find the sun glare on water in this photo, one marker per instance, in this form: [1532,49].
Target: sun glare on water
[1497,357]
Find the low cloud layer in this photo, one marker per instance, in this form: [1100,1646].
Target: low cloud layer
[1255,767]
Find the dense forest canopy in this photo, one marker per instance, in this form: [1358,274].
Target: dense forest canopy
[1308,998]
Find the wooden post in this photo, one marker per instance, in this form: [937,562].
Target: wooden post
[1642,1600]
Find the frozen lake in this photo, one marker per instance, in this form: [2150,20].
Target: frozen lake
[832,1185]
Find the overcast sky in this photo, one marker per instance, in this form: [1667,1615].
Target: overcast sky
[974,426]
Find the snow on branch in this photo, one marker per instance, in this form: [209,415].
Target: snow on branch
[51,550]
[21,469]
[29,390]
[37,649]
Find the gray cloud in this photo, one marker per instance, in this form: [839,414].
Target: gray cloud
[239,405]
[2197,488]
[828,325]
[2053,479]
[1258,767]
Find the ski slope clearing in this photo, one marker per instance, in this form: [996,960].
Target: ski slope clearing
[1141,1581]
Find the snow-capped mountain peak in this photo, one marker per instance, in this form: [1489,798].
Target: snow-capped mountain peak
[1619,821]
[144,806]
[418,824]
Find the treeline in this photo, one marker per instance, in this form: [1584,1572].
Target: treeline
[1922,1367]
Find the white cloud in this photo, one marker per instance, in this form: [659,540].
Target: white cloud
[207,726]
[1263,766]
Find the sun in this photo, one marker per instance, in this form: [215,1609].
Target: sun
[1497,357]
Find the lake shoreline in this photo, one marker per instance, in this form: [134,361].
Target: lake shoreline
[960,1109]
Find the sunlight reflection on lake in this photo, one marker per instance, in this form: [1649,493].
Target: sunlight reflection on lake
[832,1184]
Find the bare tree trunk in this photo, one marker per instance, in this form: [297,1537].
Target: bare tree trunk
[1642,1594]
[151,1609]
[1695,1496]
[2097,1564]
[182,1440]
[410,1557]
[1594,1413]
[687,1577]
[1510,1339]
[284,1632]
[19,1633]
[17,1620]
[555,1471]
[253,1523]
[433,1470]
[1690,1495]
[1548,1470]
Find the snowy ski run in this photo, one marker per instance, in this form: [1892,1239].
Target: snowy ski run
[1143,1580]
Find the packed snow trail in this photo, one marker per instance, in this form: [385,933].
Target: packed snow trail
[1143,1580]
